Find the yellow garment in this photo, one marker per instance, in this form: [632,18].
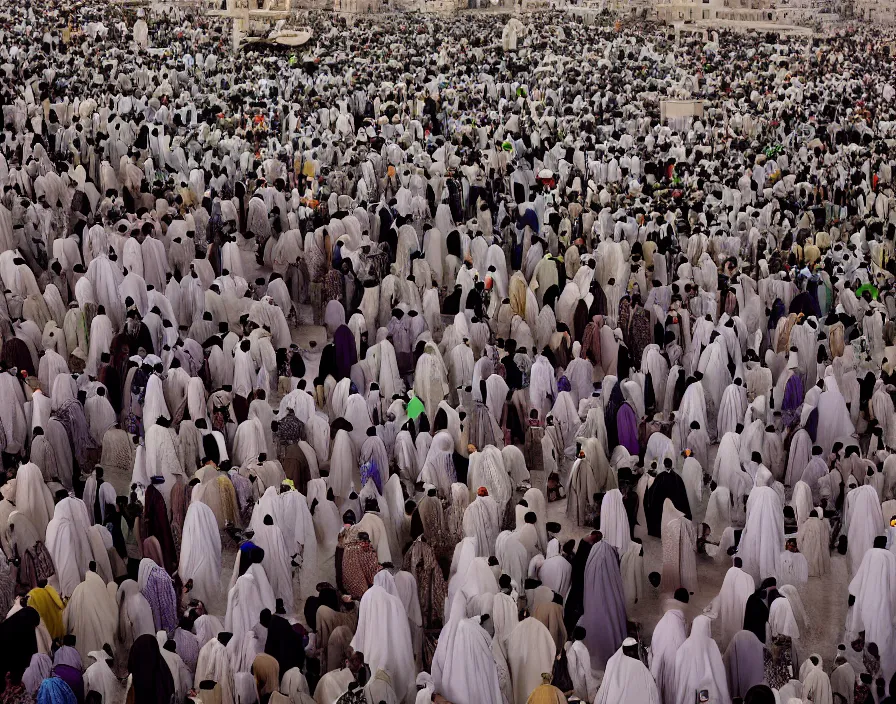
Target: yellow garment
[546,694]
[49,605]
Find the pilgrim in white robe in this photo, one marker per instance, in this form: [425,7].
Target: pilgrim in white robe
[668,636]
[627,679]
[698,665]
[200,555]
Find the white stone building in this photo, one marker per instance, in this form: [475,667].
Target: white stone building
[695,10]
[880,11]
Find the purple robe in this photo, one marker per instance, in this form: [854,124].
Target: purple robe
[370,470]
[187,648]
[812,424]
[793,399]
[67,655]
[73,678]
[604,617]
[346,352]
[159,592]
[627,429]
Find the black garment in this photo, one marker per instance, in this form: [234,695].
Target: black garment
[326,596]
[297,365]
[667,485]
[113,524]
[284,644]
[575,601]
[599,303]
[580,321]
[756,615]
[108,375]
[328,363]
[615,402]
[455,199]
[451,304]
[417,525]
[431,200]
[512,374]
[151,677]
[680,387]
[452,244]
[18,642]
[210,448]
[561,278]
[805,304]
[461,466]
[649,394]
[141,339]
[97,508]
[622,363]
[474,303]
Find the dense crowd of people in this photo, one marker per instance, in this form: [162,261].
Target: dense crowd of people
[409,365]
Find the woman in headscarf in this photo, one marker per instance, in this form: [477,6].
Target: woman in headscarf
[39,669]
[744,663]
[151,680]
[267,676]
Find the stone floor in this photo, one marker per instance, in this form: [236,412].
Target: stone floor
[824,598]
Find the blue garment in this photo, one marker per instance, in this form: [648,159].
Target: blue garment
[54,690]
[370,470]
[530,218]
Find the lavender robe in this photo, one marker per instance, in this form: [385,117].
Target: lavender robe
[793,399]
[604,617]
[744,663]
[627,429]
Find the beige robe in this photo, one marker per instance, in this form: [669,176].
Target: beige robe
[91,615]
[679,539]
